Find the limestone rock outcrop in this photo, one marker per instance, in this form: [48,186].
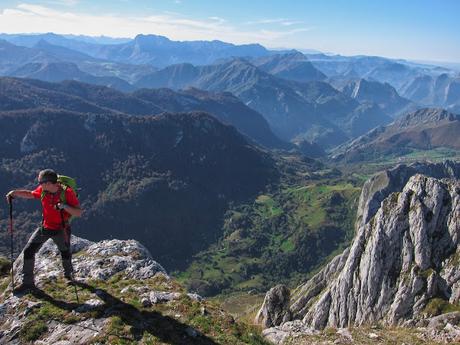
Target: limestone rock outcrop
[404,256]
[275,308]
[102,260]
[98,261]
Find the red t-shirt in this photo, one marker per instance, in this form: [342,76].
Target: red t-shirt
[51,216]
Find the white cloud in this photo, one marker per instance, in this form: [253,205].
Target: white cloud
[28,18]
[218,19]
[280,21]
[293,22]
[265,21]
[63,2]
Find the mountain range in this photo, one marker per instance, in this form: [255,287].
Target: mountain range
[317,99]
[424,129]
[155,50]
[311,110]
[427,85]
[172,176]
[19,94]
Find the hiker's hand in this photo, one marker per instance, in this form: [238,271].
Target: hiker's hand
[10,196]
[61,206]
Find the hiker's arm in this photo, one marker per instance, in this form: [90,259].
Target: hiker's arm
[20,193]
[75,211]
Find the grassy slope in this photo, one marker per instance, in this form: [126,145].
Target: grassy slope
[280,238]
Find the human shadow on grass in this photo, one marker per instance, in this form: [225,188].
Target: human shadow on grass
[165,328]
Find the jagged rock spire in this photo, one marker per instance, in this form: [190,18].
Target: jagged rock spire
[404,253]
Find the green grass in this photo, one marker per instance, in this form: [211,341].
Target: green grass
[312,201]
[32,329]
[279,238]
[438,306]
[268,207]
[287,246]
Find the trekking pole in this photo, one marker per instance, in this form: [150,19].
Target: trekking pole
[10,202]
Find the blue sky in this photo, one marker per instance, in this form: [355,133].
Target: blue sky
[412,29]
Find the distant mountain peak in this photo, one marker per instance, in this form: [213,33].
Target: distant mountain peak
[292,65]
[151,39]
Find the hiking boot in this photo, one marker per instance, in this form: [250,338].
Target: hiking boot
[24,289]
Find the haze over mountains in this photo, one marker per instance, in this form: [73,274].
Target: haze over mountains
[314,99]
[155,50]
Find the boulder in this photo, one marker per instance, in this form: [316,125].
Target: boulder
[275,308]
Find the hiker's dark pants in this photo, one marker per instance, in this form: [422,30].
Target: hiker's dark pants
[60,237]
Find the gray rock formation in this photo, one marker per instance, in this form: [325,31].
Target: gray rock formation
[399,260]
[92,261]
[102,260]
[277,335]
[381,185]
[404,255]
[275,308]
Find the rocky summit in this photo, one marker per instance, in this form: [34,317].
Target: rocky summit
[120,296]
[400,270]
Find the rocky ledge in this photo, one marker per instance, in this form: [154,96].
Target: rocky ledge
[121,296]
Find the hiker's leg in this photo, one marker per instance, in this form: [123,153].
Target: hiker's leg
[62,240]
[32,247]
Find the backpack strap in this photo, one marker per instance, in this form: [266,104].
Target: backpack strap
[63,190]
[63,200]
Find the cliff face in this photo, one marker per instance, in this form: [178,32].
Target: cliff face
[398,261]
[403,259]
[381,185]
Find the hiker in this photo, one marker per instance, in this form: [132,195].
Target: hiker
[59,203]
